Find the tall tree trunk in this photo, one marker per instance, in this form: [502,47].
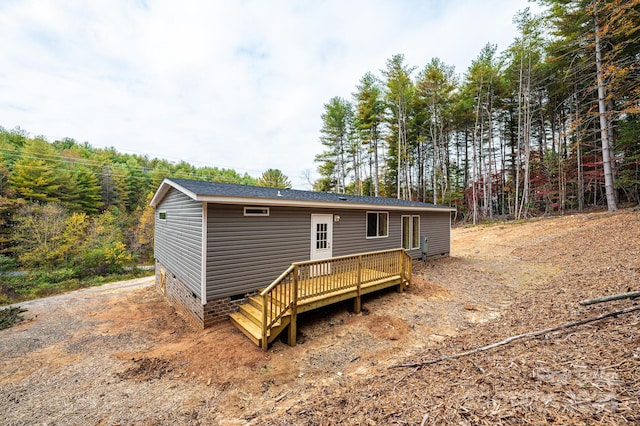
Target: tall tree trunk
[489,197]
[433,130]
[580,178]
[474,174]
[527,116]
[465,178]
[399,154]
[355,158]
[518,158]
[376,177]
[609,184]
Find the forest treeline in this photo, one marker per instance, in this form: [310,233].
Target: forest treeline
[69,211]
[549,125]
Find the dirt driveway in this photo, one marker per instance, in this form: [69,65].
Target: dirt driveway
[119,354]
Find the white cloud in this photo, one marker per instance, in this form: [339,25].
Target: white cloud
[237,84]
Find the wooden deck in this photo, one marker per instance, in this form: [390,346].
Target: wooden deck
[305,286]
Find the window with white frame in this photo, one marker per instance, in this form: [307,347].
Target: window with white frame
[377,224]
[410,232]
[162,215]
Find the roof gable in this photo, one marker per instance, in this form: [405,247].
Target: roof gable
[228,193]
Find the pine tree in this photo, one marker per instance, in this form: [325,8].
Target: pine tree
[435,89]
[274,178]
[89,198]
[369,115]
[337,124]
[399,96]
[36,174]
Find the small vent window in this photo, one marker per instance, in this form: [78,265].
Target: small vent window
[162,215]
[256,211]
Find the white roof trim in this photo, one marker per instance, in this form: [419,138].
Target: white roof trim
[164,188]
[223,199]
[311,203]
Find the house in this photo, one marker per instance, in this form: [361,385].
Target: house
[216,244]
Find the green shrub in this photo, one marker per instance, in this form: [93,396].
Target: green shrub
[117,257]
[53,277]
[91,262]
[7,263]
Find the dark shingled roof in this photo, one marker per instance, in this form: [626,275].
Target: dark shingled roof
[202,188]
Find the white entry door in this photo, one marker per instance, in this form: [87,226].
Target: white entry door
[321,236]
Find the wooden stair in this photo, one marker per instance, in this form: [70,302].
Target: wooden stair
[302,288]
[249,320]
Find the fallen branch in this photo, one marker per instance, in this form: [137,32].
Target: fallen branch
[518,337]
[11,316]
[618,296]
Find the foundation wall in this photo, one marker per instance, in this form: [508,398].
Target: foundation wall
[190,305]
[179,296]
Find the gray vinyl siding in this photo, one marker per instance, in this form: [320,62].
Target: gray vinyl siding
[178,239]
[437,227]
[349,235]
[246,253]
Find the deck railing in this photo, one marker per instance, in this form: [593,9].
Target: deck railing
[325,276]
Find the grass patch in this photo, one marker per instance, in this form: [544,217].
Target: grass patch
[34,285]
[10,317]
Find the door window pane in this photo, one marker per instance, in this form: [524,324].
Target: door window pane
[322,235]
[415,232]
[406,232]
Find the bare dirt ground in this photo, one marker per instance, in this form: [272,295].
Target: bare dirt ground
[121,355]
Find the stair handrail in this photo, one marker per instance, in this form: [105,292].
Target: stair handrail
[273,312]
[277,281]
[268,306]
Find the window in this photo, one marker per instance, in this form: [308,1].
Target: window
[415,232]
[162,215]
[322,236]
[406,234]
[377,224]
[256,211]
[410,232]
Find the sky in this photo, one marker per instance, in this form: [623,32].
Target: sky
[234,84]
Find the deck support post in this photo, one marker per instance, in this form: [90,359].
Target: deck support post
[357,303]
[265,340]
[402,277]
[293,329]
